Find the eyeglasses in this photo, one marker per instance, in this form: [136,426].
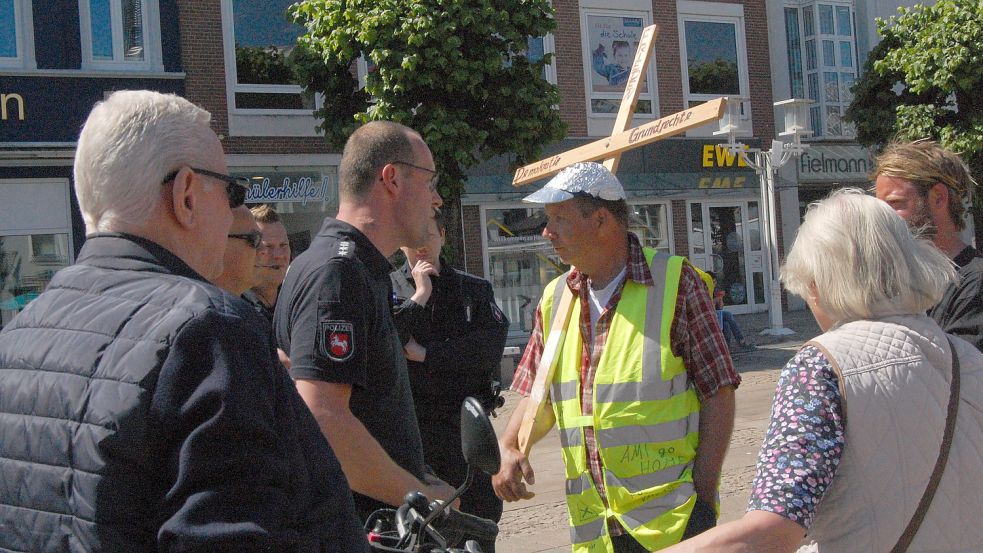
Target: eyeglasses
[433,180]
[235,187]
[254,238]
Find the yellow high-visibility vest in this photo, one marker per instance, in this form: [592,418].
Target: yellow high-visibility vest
[645,417]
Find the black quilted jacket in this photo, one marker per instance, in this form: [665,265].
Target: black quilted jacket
[143,409]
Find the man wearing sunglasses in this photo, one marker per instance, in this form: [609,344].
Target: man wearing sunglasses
[333,317]
[144,408]
[240,252]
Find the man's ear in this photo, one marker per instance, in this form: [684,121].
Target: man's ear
[388,176]
[184,197]
[938,196]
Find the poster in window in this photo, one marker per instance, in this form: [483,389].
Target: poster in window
[612,41]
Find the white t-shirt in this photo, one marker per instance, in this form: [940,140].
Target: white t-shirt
[598,299]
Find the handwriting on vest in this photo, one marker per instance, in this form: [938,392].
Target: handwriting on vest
[649,458]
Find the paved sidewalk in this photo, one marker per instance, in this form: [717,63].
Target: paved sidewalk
[540,524]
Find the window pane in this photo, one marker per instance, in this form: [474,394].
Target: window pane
[264,36]
[263,100]
[833,122]
[825,19]
[814,86]
[8,29]
[846,82]
[807,21]
[793,41]
[102,29]
[843,27]
[651,226]
[832,86]
[810,54]
[711,52]
[816,118]
[754,226]
[133,29]
[846,54]
[536,49]
[828,54]
[697,240]
[520,262]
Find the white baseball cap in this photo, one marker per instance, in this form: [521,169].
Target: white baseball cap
[588,178]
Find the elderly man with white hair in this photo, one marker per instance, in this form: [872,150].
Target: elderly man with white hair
[644,386]
[141,407]
[876,427]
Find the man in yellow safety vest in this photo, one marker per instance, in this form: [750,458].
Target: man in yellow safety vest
[643,390]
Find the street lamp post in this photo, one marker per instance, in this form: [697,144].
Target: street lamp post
[766,164]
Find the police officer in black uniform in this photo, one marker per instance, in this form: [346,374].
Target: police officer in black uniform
[453,334]
[333,317]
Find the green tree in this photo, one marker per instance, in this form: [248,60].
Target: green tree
[925,80]
[456,71]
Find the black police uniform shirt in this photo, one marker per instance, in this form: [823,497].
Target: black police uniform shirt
[464,332]
[333,319]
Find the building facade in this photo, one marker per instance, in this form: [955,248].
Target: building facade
[690,196]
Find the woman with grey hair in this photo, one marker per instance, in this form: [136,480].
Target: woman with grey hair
[873,444]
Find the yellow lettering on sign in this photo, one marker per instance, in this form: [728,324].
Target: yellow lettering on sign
[708,155]
[717,155]
[722,182]
[4,99]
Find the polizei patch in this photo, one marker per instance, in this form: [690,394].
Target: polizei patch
[336,340]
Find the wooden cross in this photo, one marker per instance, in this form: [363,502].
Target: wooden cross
[621,140]
[537,419]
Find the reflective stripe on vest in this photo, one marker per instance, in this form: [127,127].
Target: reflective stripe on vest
[647,467]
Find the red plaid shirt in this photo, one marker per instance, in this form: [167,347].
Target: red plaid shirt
[695,336]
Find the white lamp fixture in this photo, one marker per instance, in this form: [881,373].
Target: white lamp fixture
[766,163]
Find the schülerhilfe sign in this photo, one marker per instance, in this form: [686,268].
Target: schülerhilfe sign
[302,190]
[659,129]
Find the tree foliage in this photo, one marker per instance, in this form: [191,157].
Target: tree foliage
[925,80]
[453,70]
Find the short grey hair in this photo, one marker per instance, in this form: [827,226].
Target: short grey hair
[129,143]
[863,259]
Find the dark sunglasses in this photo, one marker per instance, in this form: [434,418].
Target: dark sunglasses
[235,187]
[254,238]
[433,180]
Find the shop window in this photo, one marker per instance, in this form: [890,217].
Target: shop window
[520,262]
[611,39]
[27,264]
[714,49]
[120,35]
[828,28]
